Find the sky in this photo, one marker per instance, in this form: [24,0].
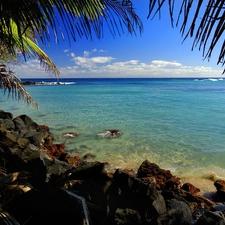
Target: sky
[158,52]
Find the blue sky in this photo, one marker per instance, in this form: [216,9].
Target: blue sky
[158,52]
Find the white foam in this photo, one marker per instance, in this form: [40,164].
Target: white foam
[55,83]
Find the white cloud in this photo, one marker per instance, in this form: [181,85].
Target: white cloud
[90,62]
[161,63]
[31,68]
[96,50]
[107,66]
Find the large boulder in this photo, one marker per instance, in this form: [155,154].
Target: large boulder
[140,195]
[127,216]
[178,211]
[220,187]
[211,218]
[5,115]
[163,178]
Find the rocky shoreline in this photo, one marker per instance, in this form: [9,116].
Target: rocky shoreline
[42,184]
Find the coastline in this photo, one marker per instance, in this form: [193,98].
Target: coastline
[163,120]
[28,149]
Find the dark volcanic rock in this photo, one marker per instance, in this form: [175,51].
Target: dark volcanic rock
[178,212]
[127,216]
[163,178]
[220,187]
[8,123]
[211,218]
[139,195]
[5,115]
[190,188]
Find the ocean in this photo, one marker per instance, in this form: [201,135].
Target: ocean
[178,124]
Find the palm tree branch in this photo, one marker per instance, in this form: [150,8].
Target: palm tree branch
[13,85]
[31,49]
[211,23]
[77,18]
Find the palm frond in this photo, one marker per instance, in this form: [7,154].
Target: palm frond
[13,85]
[207,23]
[13,184]
[30,49]
[7,219]
[87,219]
[71,18]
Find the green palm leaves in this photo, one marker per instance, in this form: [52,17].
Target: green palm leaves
[67,18]
[22,22]
[29,48]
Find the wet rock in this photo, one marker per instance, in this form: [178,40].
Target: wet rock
[178,212]
[72,160]
[110,134]
[71,134]
[127,217]
[220,187]
[29,123]
[91,181]
[5,115]
[88,156]
[190,188]
[218,207]
[139,195]
[19,124]
[55,150]
[87,170]
[44,127]
[163,178]
[8,123]
[211,218]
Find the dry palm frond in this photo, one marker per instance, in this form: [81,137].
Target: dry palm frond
[87,220]
[13,184]
[7,219]
[3,172]
[207,23]
[13,85]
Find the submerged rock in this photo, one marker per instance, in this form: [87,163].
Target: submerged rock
[70,134]
[110,134]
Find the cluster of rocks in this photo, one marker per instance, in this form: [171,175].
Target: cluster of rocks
[42,184]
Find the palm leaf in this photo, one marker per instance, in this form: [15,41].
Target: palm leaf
[207,28]
[7,219]
[87,219]
[73,18]
[30,49]
[13,85]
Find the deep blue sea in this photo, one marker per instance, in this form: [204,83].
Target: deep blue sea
[177,123]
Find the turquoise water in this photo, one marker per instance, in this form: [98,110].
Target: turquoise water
[177,123]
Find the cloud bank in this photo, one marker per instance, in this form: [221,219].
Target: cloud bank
[87,66]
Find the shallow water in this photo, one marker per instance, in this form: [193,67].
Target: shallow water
[177,123]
